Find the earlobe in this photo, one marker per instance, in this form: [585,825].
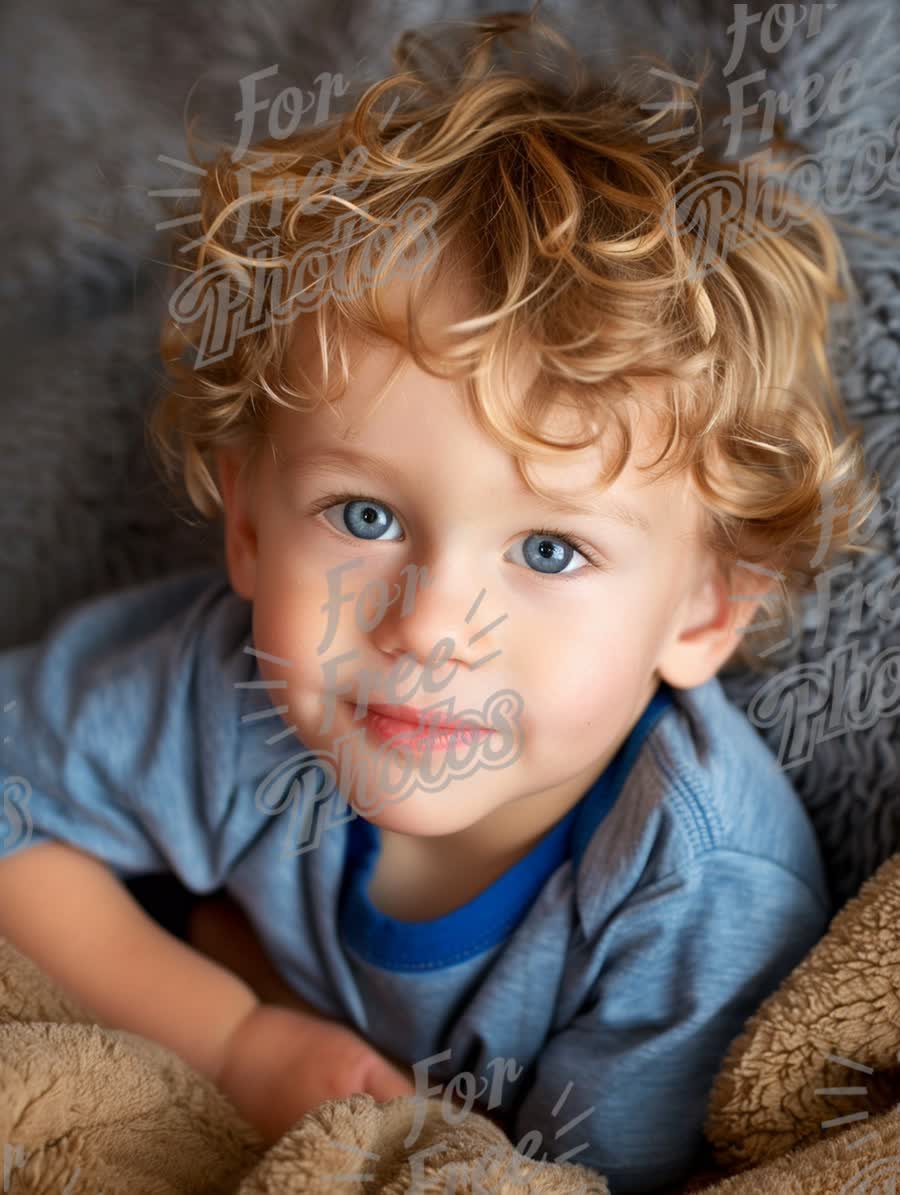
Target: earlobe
[239,516]
[711,629]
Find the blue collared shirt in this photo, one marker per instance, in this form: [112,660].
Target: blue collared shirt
[606,973]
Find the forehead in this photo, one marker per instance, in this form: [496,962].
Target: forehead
[422,426]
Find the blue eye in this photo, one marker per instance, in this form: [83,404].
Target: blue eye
[550,552]
[364,518]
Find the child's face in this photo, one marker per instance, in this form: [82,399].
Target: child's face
[581,646]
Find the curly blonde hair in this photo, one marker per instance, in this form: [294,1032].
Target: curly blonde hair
[567,205]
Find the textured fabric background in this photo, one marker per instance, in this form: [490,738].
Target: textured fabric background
[92,94]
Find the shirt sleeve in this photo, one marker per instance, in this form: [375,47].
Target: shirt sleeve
[685,963]
[115,732]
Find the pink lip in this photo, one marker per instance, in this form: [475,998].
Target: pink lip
[408,735]
[419,718]
[411,732]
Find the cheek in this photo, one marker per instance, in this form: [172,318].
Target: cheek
[309,583]
[586,687]
[287,627]
[588,673]
[313,639]
[284,615]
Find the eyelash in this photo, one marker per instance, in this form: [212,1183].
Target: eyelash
[566,537]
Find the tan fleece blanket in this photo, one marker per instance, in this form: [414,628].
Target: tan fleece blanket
[802,1104]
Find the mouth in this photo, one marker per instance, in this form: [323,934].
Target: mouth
[422,720]
[414,730]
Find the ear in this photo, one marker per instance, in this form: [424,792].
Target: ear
[239,512]
[710,628]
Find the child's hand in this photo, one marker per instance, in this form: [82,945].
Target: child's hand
[219,928]
[221,931]
[281,1063]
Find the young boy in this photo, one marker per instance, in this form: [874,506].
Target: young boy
[448,729]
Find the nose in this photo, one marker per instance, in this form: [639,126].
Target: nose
[443,618]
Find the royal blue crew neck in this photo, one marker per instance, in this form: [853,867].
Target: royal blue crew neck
[491,916]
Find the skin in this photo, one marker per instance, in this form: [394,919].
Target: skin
[584,647]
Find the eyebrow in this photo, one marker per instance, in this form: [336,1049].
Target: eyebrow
[335,458]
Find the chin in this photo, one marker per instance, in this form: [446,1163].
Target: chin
[423,816]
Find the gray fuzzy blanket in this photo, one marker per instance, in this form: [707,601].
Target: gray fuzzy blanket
[92,102]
